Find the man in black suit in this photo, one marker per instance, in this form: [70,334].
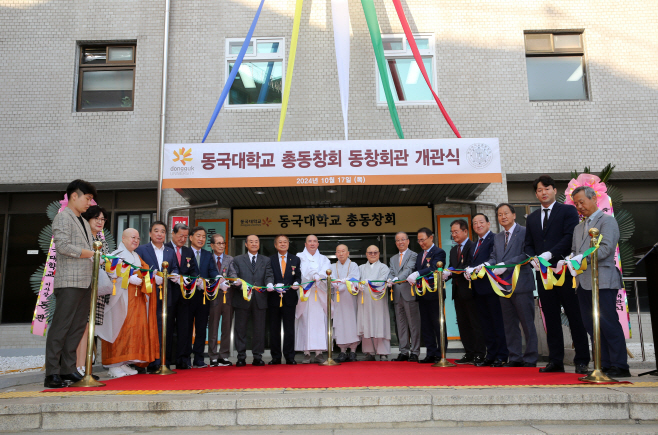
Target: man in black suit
[198,311]
[429,302]
[468,320]
[153,254]
[255,269]
[549,233]
[286,269]
[487,302]
[186,264]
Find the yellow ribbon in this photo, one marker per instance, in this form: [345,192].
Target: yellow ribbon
[337,296]
[182,288]
[350,289]
[245,291]
[280,300]
[291,66]
[147,282]
[125,276]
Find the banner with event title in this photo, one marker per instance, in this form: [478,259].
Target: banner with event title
[332,163]
[330,220]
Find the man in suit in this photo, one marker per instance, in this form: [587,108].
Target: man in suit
[549,233]
[154,253]
[407,313]
[487,302]
[428,304]
[198,311]
[72,286]
[220,307]
[282,306]
[520,307]
[470,330]
[255,269]
[186,265]
[613,343]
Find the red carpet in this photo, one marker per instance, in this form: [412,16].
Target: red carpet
[359,374]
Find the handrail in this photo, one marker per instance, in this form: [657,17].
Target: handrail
[635,280]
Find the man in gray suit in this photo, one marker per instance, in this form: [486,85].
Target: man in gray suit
[219,308]
[407,313]
[256,269]
[613,343]
[72,287]
[520,307]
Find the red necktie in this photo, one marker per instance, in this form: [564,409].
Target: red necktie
[477,248]
[219,264]
[178,254]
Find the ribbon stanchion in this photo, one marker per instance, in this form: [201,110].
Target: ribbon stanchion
[438,287]
[330,344]
[164,370]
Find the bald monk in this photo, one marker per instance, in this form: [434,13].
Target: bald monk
[373,319]
[344,312]
[130,330]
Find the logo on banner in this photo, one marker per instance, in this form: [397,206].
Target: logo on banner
[267,222]
[183,155]
[479,155]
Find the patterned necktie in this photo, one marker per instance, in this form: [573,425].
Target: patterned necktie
[219,264]
[253,262]
[401,254]
[506,238]
[283,266]
[546,211]
[477,248]
[424,255]
[459,254]
[178,254]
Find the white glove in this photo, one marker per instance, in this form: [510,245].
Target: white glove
[535,264]
[396,279]
[336,283]
[546,256]
[560,264]
[469,271]
[499,270]
[411,279]
[389,282]
[446,274]
[238,282]
[295,286]
[467,275]
[224,286]
[479,267]
[158,280]
[199,282]
[270,287]
[135,280]
[578,258]
[316,277]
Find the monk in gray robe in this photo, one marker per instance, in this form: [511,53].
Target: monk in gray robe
[373,319]
[344,312]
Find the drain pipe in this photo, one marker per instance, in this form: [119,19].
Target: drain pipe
[165,63]
[188,207]
[469,202]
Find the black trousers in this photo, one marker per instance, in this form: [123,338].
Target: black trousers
[198,322]
[491,318]
[470,330]
[240,330]
[181,314]
[550,300]
[287,314]
[430,326]
[613,342]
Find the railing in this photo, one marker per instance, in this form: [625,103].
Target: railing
[635,280]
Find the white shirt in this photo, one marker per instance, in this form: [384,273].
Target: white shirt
[280,259]
[483,237]
[159,255]
[402,254]
[511,230]
[221,258]
[197,253]
[543,214]
[251,257]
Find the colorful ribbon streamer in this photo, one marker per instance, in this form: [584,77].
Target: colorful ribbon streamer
[341,20]
[291,66]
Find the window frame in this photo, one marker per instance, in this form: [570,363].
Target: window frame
[107,66]
[279,56]
[406,53]
[580,52]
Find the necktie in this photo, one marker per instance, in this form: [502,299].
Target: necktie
[459,254]
[283,265]
[546,211]
[253,262]
[178,254]
[219,264]
[198,258]
[424,255]
[506,238]
[401,254]
[477,248]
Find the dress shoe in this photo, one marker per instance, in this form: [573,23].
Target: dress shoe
[223,362]
[71,377]
[552,367]
[307,359]
[616,372]
[529,364]
[274,362]
[383,357]
[151,370]
[341,358]
[241,363]
[498,363]
[182,366]
[369,357]
[484,363]
[413,358]
[513,364]
[258,362]
[319,359]
[54,381]
[428,360]
[352,357]
[466,359]
[214,363]
[582,369]
[402,357]
[291,362]
[477,359]
[199,365]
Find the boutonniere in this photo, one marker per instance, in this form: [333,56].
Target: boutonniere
[188,261]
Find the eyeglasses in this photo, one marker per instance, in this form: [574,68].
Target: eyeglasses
[373,253]
[99,219]
[422,240]
[400,240]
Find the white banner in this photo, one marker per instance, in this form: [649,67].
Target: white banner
[340,15]
[321,163]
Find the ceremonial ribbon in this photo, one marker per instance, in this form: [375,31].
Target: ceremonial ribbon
[291,67]
[374,290]
[234,72]
[303,291]
[378,46]
[191,287]
[340,14]
[419,61]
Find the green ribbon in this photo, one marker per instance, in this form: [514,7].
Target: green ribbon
[378,46]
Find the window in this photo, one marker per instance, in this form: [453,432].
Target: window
[260,78]
[404,77]
[139,221]
[556,66]
[107,77]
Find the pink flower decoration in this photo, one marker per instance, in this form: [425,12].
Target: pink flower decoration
[595,183]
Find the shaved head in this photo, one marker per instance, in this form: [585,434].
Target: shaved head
[342,253]
[130,239]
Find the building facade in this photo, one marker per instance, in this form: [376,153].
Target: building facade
[562,85]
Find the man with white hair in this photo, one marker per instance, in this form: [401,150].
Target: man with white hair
[311,315]
[344,312]
[373,319]
[129,331]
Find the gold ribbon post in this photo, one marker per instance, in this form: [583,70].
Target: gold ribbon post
[438,283]
[88,380]
[329,361]
[597,376]
[164,370]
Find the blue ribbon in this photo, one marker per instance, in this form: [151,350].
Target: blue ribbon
[234,72]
